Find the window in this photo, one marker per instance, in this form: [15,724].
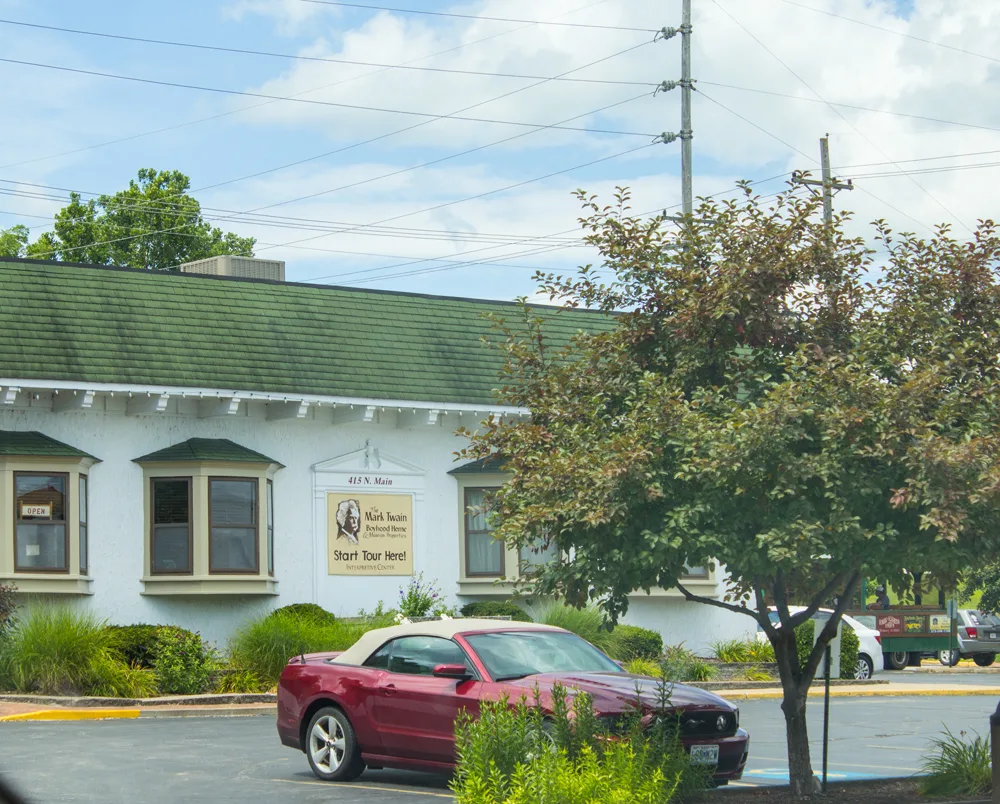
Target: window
[171,525]
[536,556]
[516,654]
[483,554]
[83,525]
[695,572]
[379,660]
[270,527]
[41,541]
[232,517]
[419,655]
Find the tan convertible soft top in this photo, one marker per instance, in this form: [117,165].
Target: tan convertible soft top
[373,640]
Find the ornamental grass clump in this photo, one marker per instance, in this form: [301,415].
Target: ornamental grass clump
[514,754]
[54,650]
[957,766]
[587,623]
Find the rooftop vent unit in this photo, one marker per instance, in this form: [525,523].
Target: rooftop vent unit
[245,267]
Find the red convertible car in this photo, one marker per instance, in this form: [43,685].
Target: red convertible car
[391,699]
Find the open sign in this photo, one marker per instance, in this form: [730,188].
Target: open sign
[36,511]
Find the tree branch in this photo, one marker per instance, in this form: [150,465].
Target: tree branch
[720,604]
[830,629]
[800,617]
[764,620]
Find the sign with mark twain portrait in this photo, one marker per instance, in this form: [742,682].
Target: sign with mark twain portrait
[369,534]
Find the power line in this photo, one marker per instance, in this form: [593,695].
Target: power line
[752,123]
[479,17]
[298,94]
[836,111]
[323,59]
[851,106]
[891,31]
[310,102]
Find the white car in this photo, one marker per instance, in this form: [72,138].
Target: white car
[870,660]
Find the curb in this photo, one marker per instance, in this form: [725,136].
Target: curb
[763,695]
[70,715]
[230,699]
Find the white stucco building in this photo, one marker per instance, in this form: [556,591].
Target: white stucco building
[189,449]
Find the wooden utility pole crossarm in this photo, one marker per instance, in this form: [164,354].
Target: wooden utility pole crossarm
[827,183]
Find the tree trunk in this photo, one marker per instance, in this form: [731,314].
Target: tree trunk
[793,705]
[800,772]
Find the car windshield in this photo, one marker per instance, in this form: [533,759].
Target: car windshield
[516,654]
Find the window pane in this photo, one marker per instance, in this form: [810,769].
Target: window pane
[476,501]
[83,524]
[171,548]
[270,527]
[695,572]
[41,498]
[485,554]
[170,502]
[233,550]
[380,658]
[41,546]
[420,655]
[233,502]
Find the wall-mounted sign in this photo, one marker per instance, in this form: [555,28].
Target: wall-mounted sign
[940,624]
[889,624]
[369,534]
[36,510]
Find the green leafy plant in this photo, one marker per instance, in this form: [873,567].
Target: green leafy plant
[264,645]
[513,754]
[587,622]
[850,647]
[635,642]
[137,644]
[731,651]
[230,679]
[56,651]
[420,598]
[643,667]
[957,766]
[805,635]
[760,652]
[182,664]
[754,673]
[496,608]
[8,605]
[680,664]
[308,611]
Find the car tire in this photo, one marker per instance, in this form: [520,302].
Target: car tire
[864,669]
[897,660]
[984,659]
[949,658]
[331,747]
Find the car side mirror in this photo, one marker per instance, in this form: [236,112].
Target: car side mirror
[456,671]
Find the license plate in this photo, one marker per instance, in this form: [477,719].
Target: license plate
[993,635]
[704,755]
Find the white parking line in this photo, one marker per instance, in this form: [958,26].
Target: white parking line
[376,787]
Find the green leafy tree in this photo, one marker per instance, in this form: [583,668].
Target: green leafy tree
[986,579]
[758,403]
[13,241]
[154,224]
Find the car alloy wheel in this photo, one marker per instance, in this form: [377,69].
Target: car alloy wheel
[949,658]
[331,747]
[864,669]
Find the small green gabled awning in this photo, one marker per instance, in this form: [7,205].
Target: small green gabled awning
[37,445]
[206,449]
[492,465]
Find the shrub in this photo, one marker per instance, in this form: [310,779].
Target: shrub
[420,598]
[731,651]
[699,670]
[634,642]
[308,611]
[264,645]
[509,755]
[236,680]
[53,650]
[805,636]
[496,608]
[643,667]
[957,766]
[680,664]
[182,664]
[754,673]
[7,605]
[137,644]
[850,646]
[587,622]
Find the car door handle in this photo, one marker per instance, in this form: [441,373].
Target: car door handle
[389,689]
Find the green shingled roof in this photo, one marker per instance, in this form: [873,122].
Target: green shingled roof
[206,449]
[482,466]
[37,444]
[68,322]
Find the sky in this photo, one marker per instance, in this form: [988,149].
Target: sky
[360,175]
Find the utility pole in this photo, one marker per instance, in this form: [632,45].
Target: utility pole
[828,183]
[687,168]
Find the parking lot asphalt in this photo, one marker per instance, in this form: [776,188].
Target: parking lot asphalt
[239,759]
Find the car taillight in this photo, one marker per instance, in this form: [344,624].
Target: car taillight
[878,638]
[973,632]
